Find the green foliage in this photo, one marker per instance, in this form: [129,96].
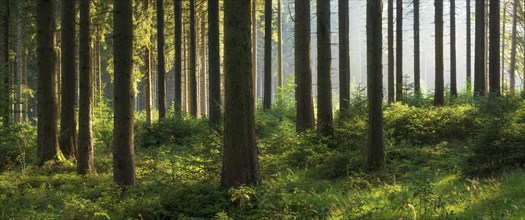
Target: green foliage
[17,146]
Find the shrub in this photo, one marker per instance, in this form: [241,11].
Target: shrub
[17,145]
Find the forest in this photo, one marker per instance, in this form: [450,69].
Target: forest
[262,109]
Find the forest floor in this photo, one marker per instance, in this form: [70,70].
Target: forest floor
[181,181]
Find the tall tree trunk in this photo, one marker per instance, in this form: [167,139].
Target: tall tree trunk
[178,56]
[453,71]
[254,51]
[503,34]
[147,67]
[214,63]
[376,148]
[47,106]
[344,57]
[279,52]
[5,96]
[512,71]
[324,59]
[19,104]
[123,149]
[391,79]
[267,102]
[193,62]
[479,59]
[68,121]
[161,69]
[203,66]
[399,51]
[85,163]
[469,50]
[439,82]
[494,48]
[417,66]
[303,70]
[240,160]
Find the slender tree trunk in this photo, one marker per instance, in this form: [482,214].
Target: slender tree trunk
[5,96]
[254,51]
[203,66]
[147,67]
[494,48]
[417,66]
[324,59]
[279,52]
[178,56]
[214,63]
[267,102]
[512,71]
[479,60]
[344,57]
[469,50]
[399,51]
[68,121]
[193,62]
[85,163]
[453,71]
[376,148]
[240,161]
[391,79]
[19,104]
[47,106]
[439,86]
[503,34]
[161,69]
[123,149]
[303,70]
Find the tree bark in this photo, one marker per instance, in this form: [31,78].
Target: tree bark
[203,66]
[254,51]
[193,62]
[453,67]
[123,149]
[391,78]
[303,69]
[178,56]
[439,98]
[240,160]
[399,51]
[503,34]
[494,48]
[324,81]
[47,145]
[479,59]
[214,63]
[376,148]
[512,71]
[417,66]
[267,102]
[161,69]
[4,71]
[68,121]
[19,68]
[147,67]
[344,57]
[469,50]
[279,53]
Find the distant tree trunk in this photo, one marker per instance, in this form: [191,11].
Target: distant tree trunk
[494,48]
[417,66]
[161,69]
[123,149]
[254,51]
[214,63]
[267,102]
[399,51]
[178,56]
[68,121]
[5,96]
[469,50]
[85,163]
[479,59]
[344,57]
[193,62]
[147,66]
[203,66]
[324,59]
[512,71]
[453,72]
[47,107]
[439,86]
[376,148]
[303,70]
[503,34]
[240,161]
[279,52]
[19,68]
[391,79]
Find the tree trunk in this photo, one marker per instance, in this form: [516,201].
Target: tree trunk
[147,67]
[161,69]
[303,70]
[439,82]
[240,161]
[123,149]
[267,102]
[214,62]
[178,56]
[391,79]
[5,96]
[279,53]
[254,51]
[479,59]
[85,163]
[193,62]
[324,59]
[399,51]
[203,66]
[469,50]
[47,106]
[376,148]
[512,71]
[344,57]
[68,121]
[417,66]
[503,34]
[494,48]
[19,104]
[453,72]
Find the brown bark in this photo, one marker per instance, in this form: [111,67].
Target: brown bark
[161,69]
[439,98]
[469,50]
[193,62]
[203,98]
[324,81]
[453,70]
[391,78]
[344,57]
[178,56]
[417,66]
[5,102]
[512,71]
[479,59]
[214,102]
[267,101]
[494,48]
[303,69]
[399,51]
